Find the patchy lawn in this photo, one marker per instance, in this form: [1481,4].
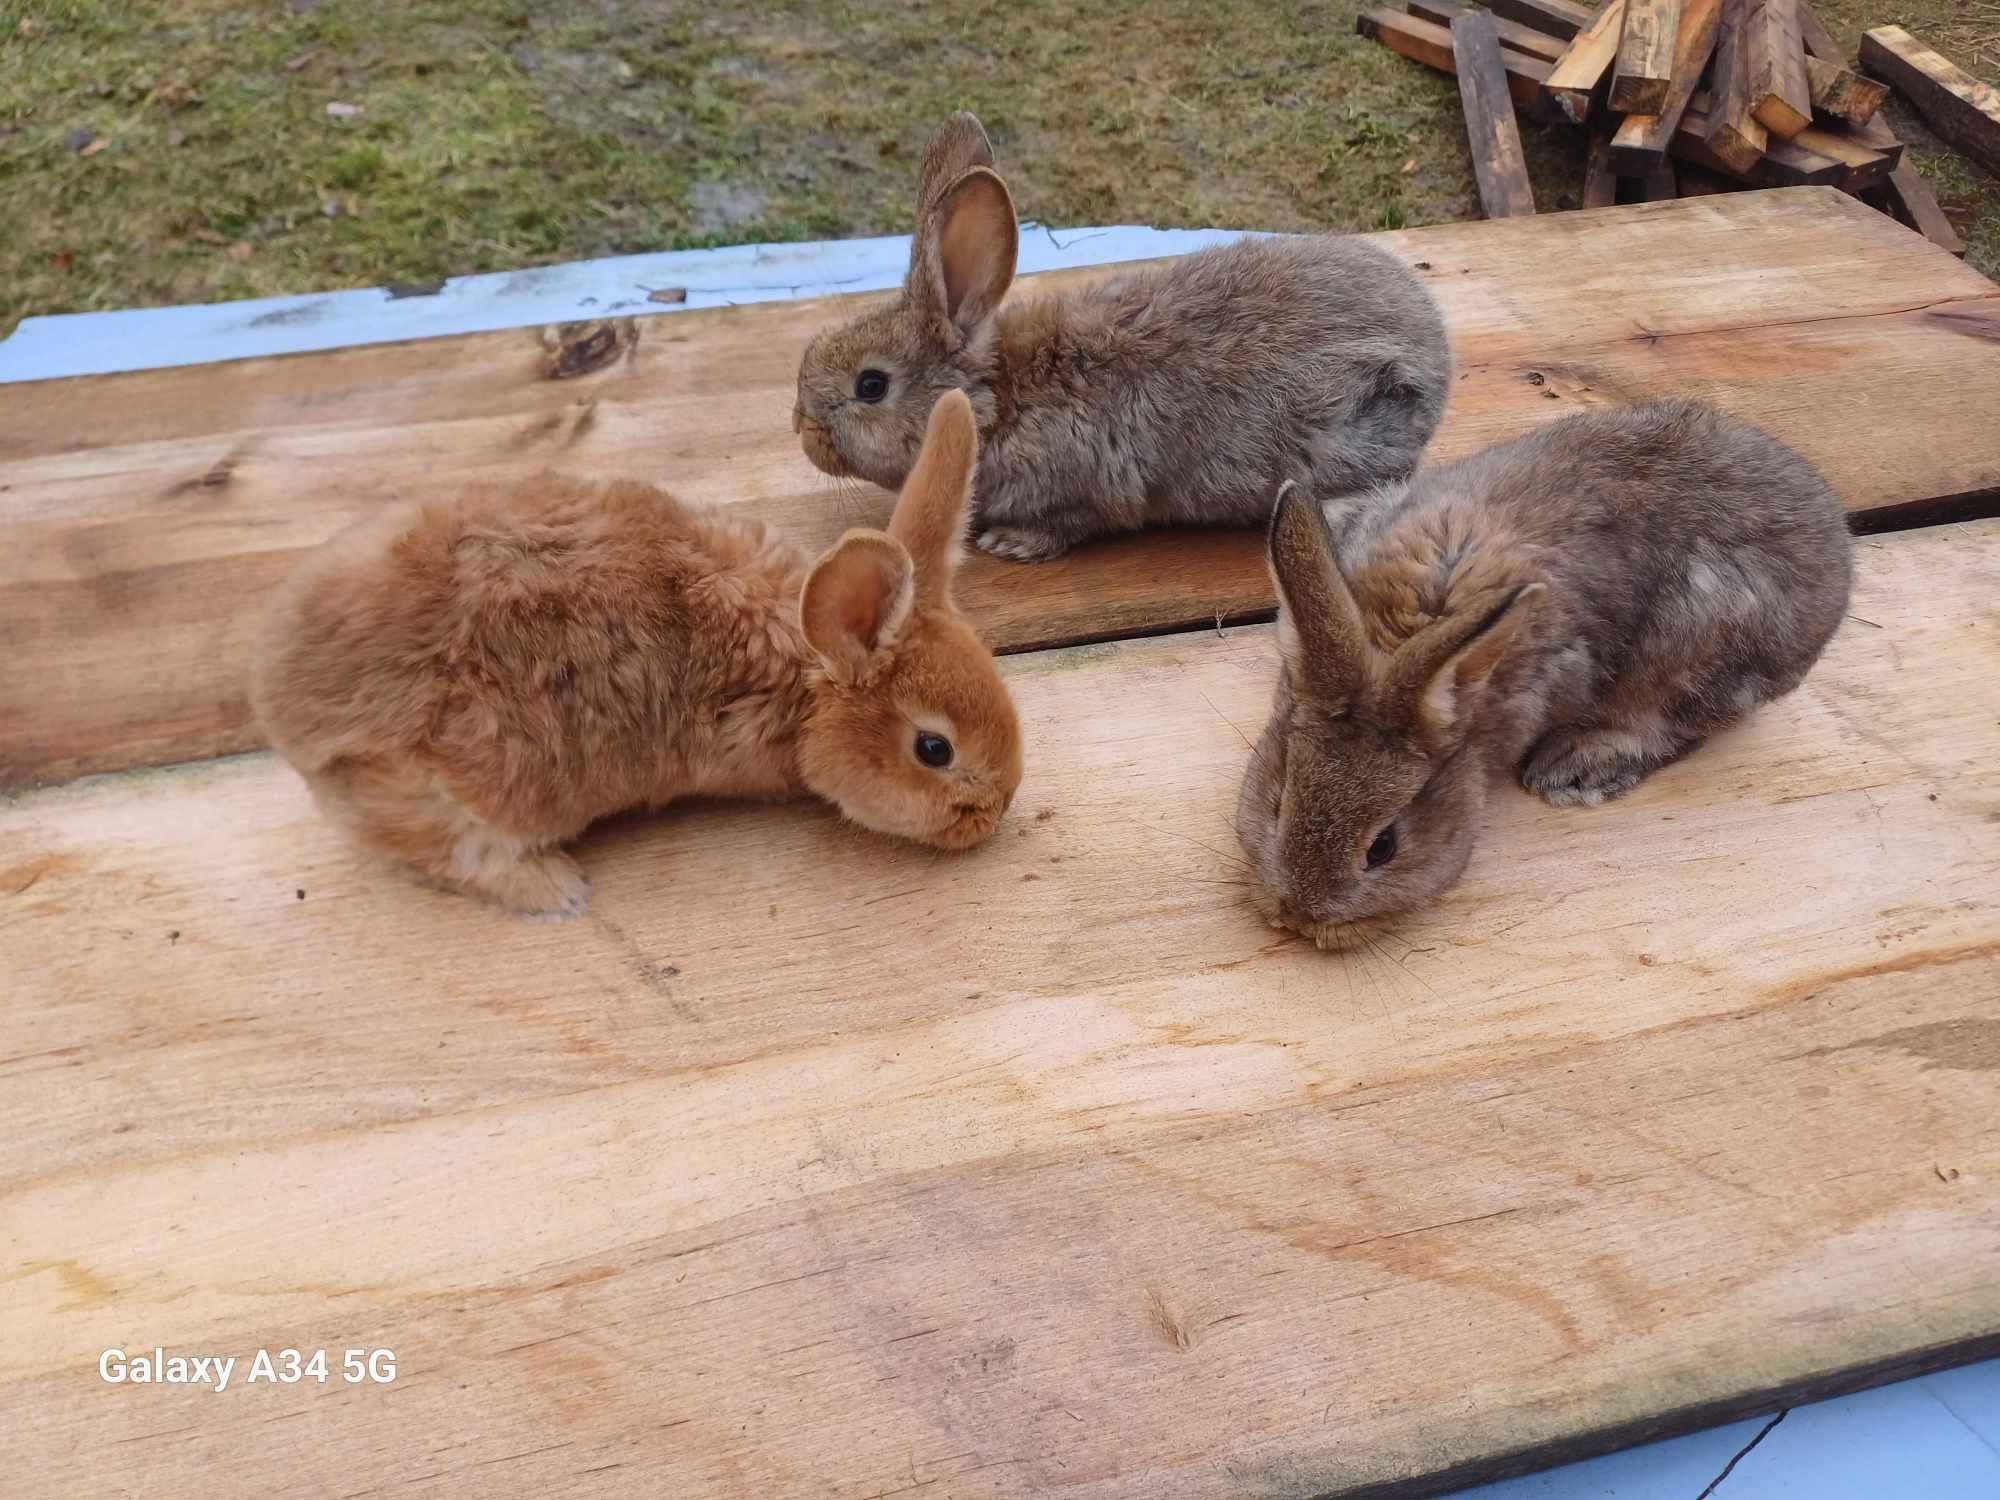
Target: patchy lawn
[156,151]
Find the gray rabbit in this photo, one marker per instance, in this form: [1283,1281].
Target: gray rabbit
[1179,393]
[1580,607]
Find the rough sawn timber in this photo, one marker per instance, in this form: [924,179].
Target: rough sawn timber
[808,1163]
[145,517]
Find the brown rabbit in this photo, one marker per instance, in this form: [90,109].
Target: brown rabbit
[465,685]
[1182,393]
[1580,607]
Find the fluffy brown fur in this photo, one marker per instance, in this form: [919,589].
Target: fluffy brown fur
[467,684]
[1170,394]
[1580,607]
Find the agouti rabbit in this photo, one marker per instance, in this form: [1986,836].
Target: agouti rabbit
[1580,606]
[466,684]
[1178,393]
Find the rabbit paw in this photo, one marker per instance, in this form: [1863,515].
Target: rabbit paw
[1586,768]
[1022,543]
[544,883]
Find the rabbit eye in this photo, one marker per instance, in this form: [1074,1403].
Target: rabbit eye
[934,750]
[1383,849]
[871,386]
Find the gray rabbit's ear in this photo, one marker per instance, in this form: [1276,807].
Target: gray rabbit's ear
[1320,629]
[963,261]
[1444,666]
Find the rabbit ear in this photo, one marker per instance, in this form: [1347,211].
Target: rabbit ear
[930,515]
[959,145]
[962,254]
[855,601]
[1446,663]
[1320,630]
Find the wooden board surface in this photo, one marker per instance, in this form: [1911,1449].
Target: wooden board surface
[1733,133]
[1640,143]
[1491,134]
[1576,83]
[1514,37]
[1644,69]
[1781,98]
[1560,18]
[144,517]
[1963,109]
[1047,1170]
[1430,44]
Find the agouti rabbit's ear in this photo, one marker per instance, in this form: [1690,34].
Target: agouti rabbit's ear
[931,513]
[962,258]
[1320,629]
[959,145]
[1445,664]
[855,602]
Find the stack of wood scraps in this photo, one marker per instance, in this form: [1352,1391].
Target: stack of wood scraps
[1684,98]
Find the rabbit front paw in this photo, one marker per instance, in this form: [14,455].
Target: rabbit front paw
[1589,766]
[1022,543]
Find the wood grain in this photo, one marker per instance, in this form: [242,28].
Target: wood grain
[1495,140]
[1782,163]
[1909,197]
[1868,154]
[1514,37]
[1780,97]
[1430,44]
[1576,82]
[1640,143]
[1842,94]
[145,516]
[1559,18]
[1958,106]
[1046,1170]
[1733,133]
[1643,71]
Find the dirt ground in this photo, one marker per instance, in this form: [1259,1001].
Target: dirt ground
[160,151]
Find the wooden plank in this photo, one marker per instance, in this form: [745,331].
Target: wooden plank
[1913,203]
[1514,37]
[1958,106]
[1780,98]
[146,516]
[1559,18]
[1430,44]
[1862,162]
[1842,94]
[1733,134]
[1087,1185]
[1577,80]
[1600,181]
[1497,163]
[1644,68]
[1782,164]
[1818,41]
[1640,143]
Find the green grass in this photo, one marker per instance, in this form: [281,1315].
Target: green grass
[497,134]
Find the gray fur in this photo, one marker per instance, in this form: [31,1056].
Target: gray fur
[1184,393]
[1660,569]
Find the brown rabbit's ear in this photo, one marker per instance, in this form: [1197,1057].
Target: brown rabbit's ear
[930,515]
[856,601]
[1447,663]
[1320,630]
[962,260]
[959,145]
